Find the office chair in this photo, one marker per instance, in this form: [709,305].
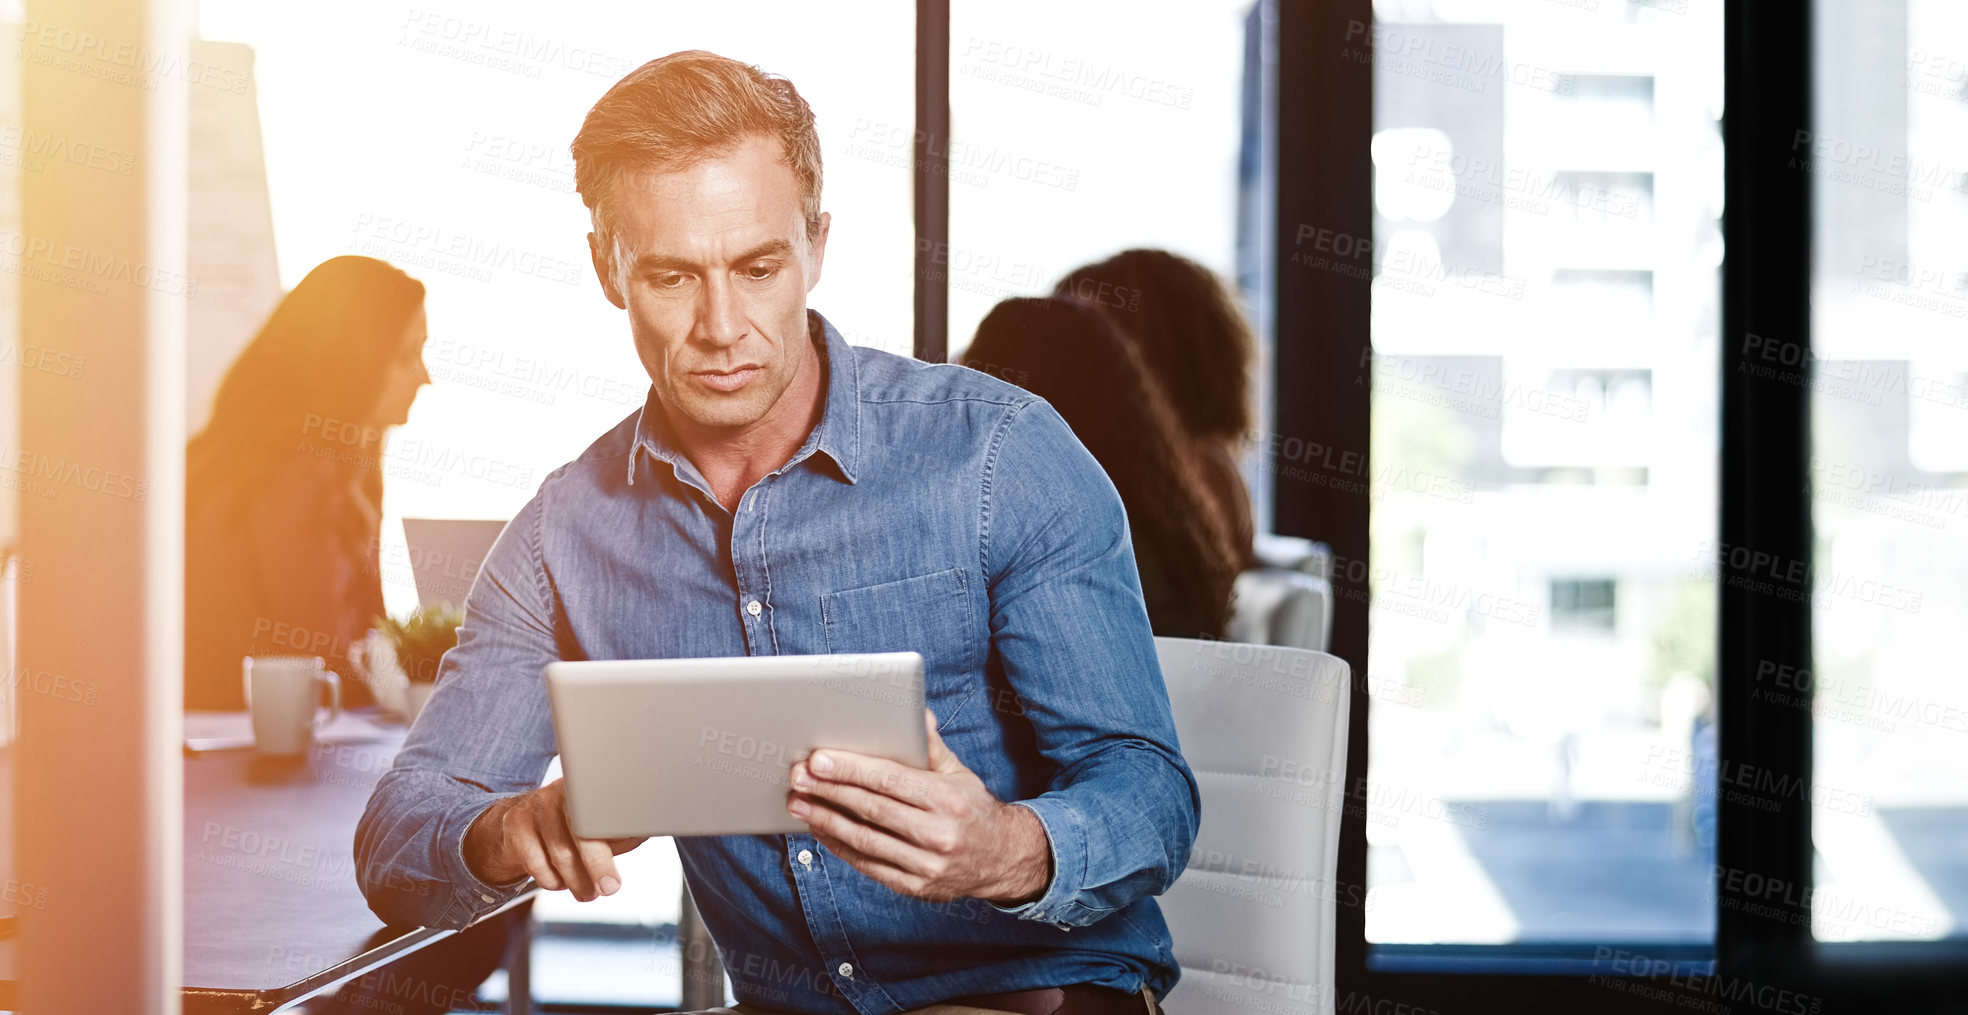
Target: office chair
[1281,606]
[1252,917]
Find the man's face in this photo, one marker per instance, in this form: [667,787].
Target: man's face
[713,263]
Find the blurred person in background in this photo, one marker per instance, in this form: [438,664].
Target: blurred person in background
[283,510]
[284,486]
[1198,347]
[1067,353]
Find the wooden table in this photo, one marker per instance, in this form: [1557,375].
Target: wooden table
[272,913]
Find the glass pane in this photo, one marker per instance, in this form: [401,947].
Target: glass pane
[1080,130]
[1545,257]
[1888,158]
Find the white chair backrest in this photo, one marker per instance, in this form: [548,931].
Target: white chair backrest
[1264,729]
[1278,606]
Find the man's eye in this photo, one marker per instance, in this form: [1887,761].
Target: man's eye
[669,280]
[760,272]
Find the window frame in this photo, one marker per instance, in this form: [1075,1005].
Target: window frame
[1322,176]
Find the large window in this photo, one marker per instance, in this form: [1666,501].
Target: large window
[1080,130]
[1888,372]
[1714,759]
[1547,189]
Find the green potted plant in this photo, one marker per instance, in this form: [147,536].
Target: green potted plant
[420,639]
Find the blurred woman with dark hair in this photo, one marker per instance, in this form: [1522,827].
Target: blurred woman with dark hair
[283,510]
[1068,354]
[1199,348]
[284,486]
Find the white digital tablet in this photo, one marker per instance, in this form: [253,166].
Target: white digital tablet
[704,746]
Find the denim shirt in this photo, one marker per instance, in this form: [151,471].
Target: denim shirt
[934,509]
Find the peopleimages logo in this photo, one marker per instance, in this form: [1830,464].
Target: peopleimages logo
[502,48]
[120,61]
[1673,985]
[62,472]
[1868,167]
[1471,392]
[1793,579]
[744,756]
[1074,77]
[62,148]
[1413,52]
[1519,188]
[984,158]
[42,359]
[97,267]
[474,257]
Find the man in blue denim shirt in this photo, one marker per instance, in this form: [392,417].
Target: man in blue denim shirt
[782,492]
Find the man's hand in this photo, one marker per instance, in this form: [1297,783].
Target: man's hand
[528,834]
[935,833]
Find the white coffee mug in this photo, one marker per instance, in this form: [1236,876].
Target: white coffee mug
[283,693]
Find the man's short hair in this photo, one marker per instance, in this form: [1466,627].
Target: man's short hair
[679,109]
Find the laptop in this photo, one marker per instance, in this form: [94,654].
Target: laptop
[704,746]
[445,555]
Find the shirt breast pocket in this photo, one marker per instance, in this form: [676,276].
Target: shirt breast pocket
[930,614]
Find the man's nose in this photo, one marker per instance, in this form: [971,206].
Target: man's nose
[721,318]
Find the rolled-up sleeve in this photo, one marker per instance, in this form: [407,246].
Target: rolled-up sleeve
[1069,625]
[485,733]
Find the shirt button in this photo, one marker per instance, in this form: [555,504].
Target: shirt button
[754,608]
[806,858]
[846,970]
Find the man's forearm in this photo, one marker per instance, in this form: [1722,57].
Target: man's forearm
[483,847]
[1030,869]
[1109,863]
[407,847]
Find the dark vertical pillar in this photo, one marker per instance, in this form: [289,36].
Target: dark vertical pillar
[1763,566]
[932,179]
[1321,386]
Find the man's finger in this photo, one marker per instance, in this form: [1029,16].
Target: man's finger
[898,818]
[565,854]
[903,782]
[600,861]
[941,758]
[523,840]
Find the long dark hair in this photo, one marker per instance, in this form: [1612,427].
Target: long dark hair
[294,441]
[318,357]
[1191,332]
[1067,353]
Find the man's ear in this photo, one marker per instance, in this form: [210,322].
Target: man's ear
[816,246]
[603,262]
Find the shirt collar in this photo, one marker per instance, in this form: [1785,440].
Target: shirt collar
[839,431]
